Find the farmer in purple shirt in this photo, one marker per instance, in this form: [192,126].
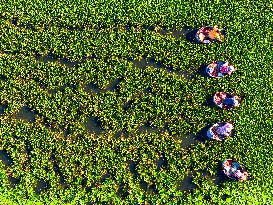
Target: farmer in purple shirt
[220,131]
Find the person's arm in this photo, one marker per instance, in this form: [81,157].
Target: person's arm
[201,37]
[218,138]
[223,95]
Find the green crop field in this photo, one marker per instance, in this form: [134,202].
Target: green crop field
[104,102]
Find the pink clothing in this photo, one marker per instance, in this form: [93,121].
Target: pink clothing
[219,97]
[225,69]
[219,69]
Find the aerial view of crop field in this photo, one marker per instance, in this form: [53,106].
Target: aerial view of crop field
[117,102]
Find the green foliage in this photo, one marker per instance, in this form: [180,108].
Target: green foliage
[86,141]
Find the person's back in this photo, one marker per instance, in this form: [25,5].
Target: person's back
[214,34]
[220,131]
[209,34]
[230,102]
[225,129]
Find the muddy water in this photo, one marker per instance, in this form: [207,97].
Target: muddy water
[28,148]
[202,134]
[93,126]
[161,162]
[26,114]
[144,62]
[122,133]
[105,177]
[133,168]
[146,187]
[92,88]
[3,77]
[143,185]
[2,109]
[188,140]
[61,89]
[181,33]
[141,63]
[146,128]
[13,181]
[186,184]
[217,179]
[41,186]
[68,63]
[5,158]
[114,85]
[57,170]
[127,105]
[122,191]
[188,74]
[63,61]
[148,91]
[46,59]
